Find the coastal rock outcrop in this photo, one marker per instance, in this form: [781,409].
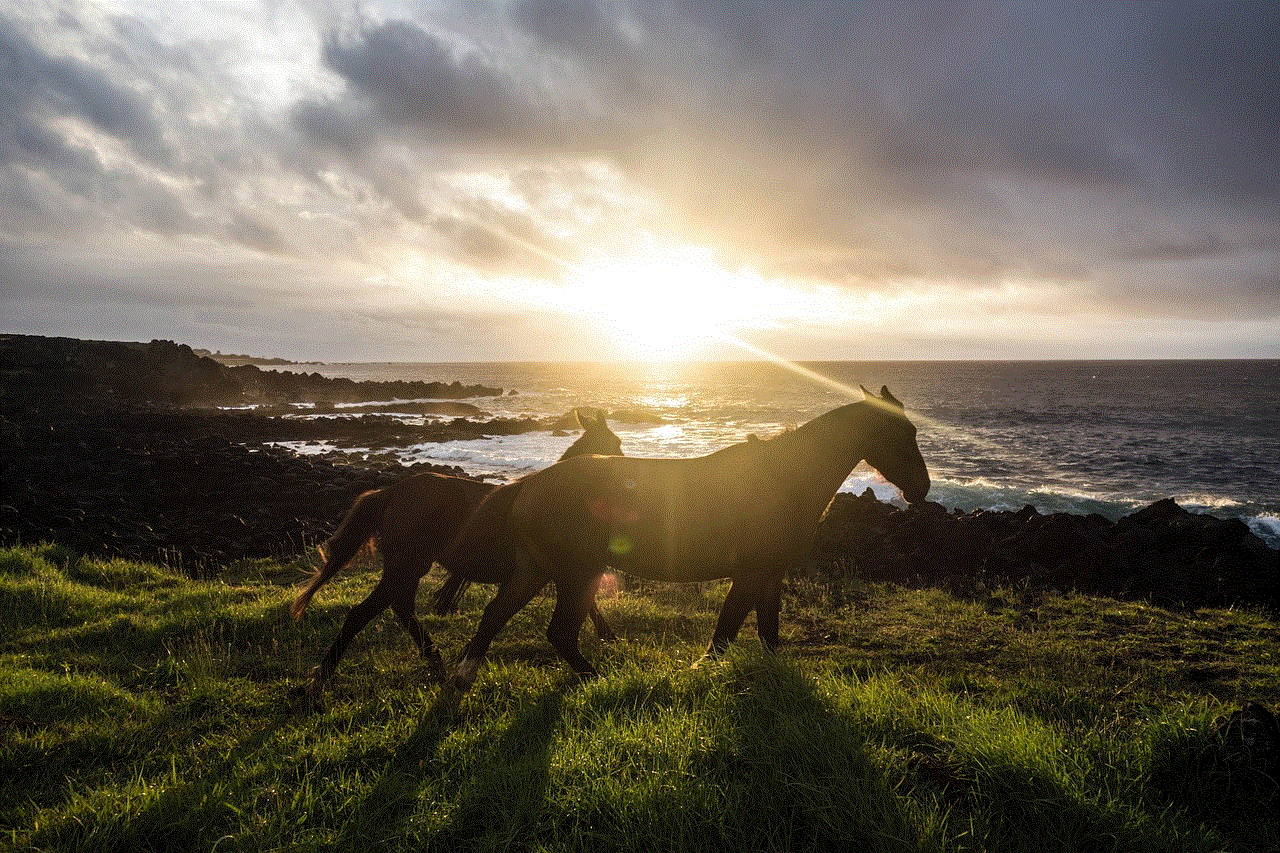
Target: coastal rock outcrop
[169,373]
[1162,552]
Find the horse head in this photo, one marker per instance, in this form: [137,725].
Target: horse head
[894,453]
[596,437]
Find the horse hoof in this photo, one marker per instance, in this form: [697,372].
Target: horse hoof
[465,675]
[309,695]
[436,667]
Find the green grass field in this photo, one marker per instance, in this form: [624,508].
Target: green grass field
[142,711]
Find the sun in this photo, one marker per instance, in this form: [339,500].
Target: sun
[660,303]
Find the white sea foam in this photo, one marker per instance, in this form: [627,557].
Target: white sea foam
[310,448]
[1266,528]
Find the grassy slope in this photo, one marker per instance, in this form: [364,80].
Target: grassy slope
[142,711]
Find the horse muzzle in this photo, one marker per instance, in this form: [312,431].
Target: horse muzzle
[915,492]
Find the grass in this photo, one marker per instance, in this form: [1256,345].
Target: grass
[143,711]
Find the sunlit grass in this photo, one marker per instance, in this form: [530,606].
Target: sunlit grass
[143,711]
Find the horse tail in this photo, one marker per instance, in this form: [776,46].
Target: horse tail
[358,527]
[474,554]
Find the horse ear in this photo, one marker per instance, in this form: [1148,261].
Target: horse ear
[577,416]
[887,397]
[865,392]
[600,419]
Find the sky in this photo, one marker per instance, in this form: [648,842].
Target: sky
[571,180]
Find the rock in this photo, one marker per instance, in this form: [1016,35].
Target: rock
[1162,553]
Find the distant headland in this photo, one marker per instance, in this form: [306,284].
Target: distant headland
[169,373]
[238,359]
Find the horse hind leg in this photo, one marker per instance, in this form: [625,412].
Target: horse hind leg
[357,618]
[738,602]
[767,611]
[404,606]
[604,633]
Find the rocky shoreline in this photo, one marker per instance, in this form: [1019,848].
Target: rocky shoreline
[119,449]
[198,487]
[173,374]
[1161,553]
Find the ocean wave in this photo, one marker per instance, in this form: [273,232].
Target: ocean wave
[1266,528]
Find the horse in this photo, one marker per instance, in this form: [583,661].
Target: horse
[412,520]
[748,512]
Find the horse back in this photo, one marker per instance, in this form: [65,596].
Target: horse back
[424,511]
[669,519]
[483,547]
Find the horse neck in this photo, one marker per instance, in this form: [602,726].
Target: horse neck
[823,452]
[581,447]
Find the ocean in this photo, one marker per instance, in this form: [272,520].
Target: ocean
[1063,436]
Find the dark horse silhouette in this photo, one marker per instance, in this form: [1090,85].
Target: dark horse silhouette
[412,520]
[749,512]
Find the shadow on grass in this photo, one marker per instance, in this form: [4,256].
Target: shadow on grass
[177,811]
[394,797]
[503,799]
[800,776]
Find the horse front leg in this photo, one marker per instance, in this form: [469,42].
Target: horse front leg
[514,594]
[573,601]
[741,598]
[767,609]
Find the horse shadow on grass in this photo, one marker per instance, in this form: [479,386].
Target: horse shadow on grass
[179,815]
[395,796]
[517,763]
[800,776]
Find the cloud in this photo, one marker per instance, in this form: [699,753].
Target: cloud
[1214,65]
[415,80]
[1122,156]
[333,127]
[37,86]
[255,234]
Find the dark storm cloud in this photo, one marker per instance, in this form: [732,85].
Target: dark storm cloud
[593,36]
[446,94]
[416,80]
[333,127]
[579,26]
[1218,65]
[1096,93]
